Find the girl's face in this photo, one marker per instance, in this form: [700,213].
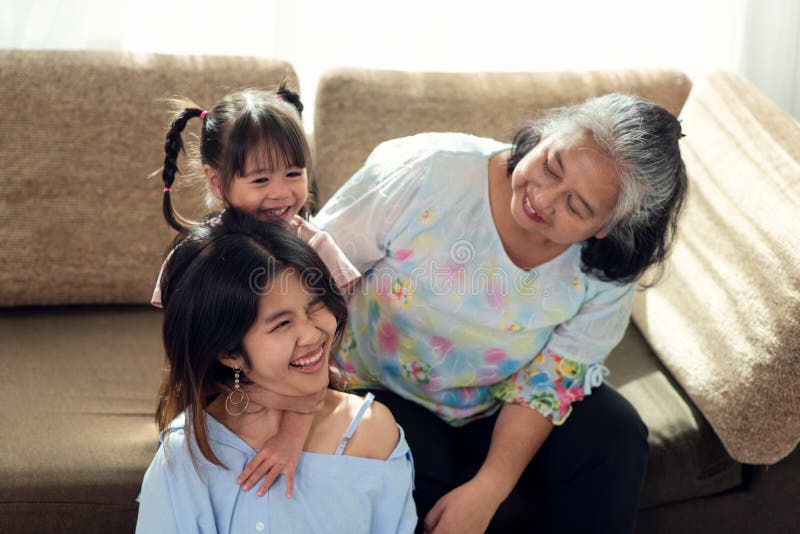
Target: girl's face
[564,189]
[289,342]
[266,193]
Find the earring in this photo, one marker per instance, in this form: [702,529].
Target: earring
[238,397]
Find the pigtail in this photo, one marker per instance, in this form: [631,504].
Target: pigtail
[291,97]
[172,149]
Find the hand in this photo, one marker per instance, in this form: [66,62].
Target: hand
[278,456]
[302,404]
[467,509]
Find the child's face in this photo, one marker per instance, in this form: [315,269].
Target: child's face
[289,342]
[564,189]
[264,193]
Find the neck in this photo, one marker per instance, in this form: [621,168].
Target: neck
[254,426]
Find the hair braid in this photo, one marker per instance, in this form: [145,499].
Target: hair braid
[291,97]
[172,148]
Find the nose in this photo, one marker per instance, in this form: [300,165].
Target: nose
[278,190]
[544,198]
[310,332]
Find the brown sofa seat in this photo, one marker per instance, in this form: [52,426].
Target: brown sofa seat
[78,399]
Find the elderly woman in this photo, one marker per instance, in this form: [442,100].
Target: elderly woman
[497,280]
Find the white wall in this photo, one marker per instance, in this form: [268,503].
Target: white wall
[758,38]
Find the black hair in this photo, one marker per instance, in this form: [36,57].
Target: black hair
[210,289]
[238,124]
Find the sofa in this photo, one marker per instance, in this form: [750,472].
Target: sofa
[711,359]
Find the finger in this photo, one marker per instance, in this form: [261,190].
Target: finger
[271,477]
[433,517]
[289,474]
[262,469]
[248,470]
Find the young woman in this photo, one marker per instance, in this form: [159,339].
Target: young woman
[248,306]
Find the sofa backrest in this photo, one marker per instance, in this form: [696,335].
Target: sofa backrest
[725,319]
[80,133]
[358,108]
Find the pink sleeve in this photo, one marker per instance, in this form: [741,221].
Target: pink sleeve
[343,272]
[155,300]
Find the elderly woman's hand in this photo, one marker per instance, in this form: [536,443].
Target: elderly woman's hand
[467,509]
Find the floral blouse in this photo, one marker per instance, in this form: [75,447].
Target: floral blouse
[442,316]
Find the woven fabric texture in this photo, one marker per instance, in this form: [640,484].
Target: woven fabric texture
[725,320]
[80,133]
[358,108]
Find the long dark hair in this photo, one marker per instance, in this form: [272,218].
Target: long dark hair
[210,289]
[238,124]
[641,139]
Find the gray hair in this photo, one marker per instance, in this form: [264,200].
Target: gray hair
[641,140]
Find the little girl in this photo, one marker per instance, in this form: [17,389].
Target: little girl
[255,157]
[249,305]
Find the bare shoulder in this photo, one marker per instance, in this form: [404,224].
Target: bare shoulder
[377,434]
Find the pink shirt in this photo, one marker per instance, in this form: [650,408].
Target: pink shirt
[340,267]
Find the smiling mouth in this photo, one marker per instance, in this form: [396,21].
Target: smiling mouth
[278,212]
[311,361]
[529,210]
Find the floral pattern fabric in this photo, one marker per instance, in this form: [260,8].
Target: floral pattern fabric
[442,316]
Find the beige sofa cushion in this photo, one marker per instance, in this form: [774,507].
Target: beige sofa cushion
[358,108]
[78,394]
[726,319]
[80,133]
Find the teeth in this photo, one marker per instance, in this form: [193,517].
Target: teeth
[528,204]
[279,211]
[307,361]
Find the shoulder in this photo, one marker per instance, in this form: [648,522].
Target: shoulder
[425,145]
[607,289]
[377,434]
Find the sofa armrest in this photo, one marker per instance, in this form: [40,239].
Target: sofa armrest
[725,320]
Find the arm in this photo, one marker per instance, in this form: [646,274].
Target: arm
[174,496]
[518,434]
[156,510]
[362,216]
[537,397]
[279,455]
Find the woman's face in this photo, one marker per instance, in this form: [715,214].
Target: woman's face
[289,342]
[564,189]
[263,192]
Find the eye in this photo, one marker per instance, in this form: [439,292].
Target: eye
[261,180]
[280,325]
[549,171]
[315,306]
[572,207]
[295,174]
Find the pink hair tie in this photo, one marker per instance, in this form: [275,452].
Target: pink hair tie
[279,96]
[203,114]
[167,189]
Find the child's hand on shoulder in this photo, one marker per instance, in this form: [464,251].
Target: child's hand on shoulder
[278,456]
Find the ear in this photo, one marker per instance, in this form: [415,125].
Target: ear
[214,182]
[601,234]
[230,359]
